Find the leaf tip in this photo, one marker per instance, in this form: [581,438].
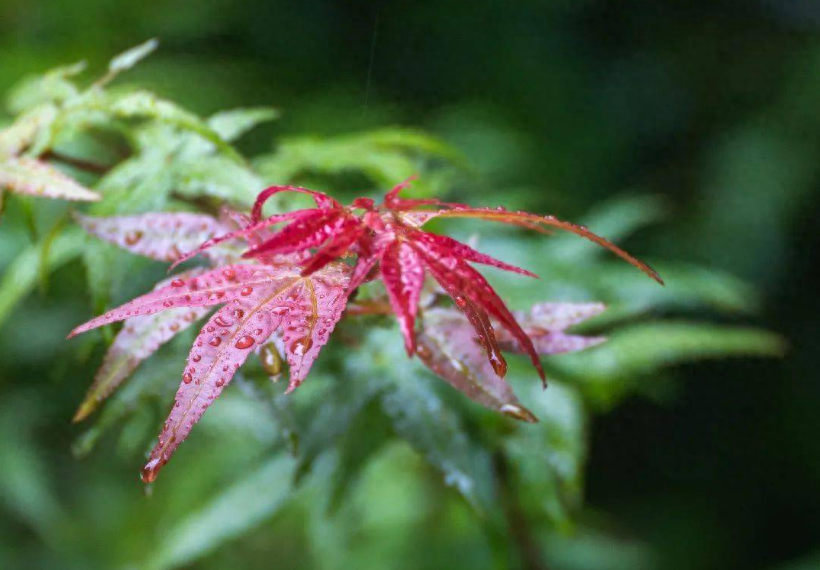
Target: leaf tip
[519,413]
[85,410]
[149,473]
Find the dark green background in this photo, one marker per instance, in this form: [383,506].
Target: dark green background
[714,105]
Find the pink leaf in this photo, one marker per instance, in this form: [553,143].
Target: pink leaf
[220,349]
[253,234]
[214,287]
[540,223]
[307,231]
[403,275]
[163,236]
[323,201]
[442,246]
[544,323]
[447,346]
[139,338]
[306,309]
[310,313]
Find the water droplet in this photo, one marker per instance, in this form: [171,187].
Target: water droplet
[177,283]
[215,341]
[187,377]
[246,291]
[245,341]
[222,322]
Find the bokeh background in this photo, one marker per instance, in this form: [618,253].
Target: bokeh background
[712,105]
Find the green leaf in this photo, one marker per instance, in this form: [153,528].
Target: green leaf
[419,415]
[253,499]
[368,435]
[548,458]
[36,178]
[52,87]
[230,125]
[639,350]
[20,277]
[332,419]
[387,157]
[422,418]
[145,105]
[22,133]
[131,57]
[218,177]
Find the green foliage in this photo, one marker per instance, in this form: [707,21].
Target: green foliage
[140,152]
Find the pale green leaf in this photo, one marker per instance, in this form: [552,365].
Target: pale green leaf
[253,499]
[230,125]
[22,133]
[145,105]
[36,178]
[52,87]
[218,177]
[20,277]
[131,57]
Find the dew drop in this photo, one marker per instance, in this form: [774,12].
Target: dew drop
[222,322]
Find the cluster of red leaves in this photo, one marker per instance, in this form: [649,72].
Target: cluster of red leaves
[294,286]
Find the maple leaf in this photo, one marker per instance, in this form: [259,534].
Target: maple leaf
[33,177]
[258,300]
[448,346]
[391,237]
[291,291]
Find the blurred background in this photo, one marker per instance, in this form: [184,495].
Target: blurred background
[712,106]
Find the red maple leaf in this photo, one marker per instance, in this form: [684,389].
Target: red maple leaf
[391,237]
[294,286]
